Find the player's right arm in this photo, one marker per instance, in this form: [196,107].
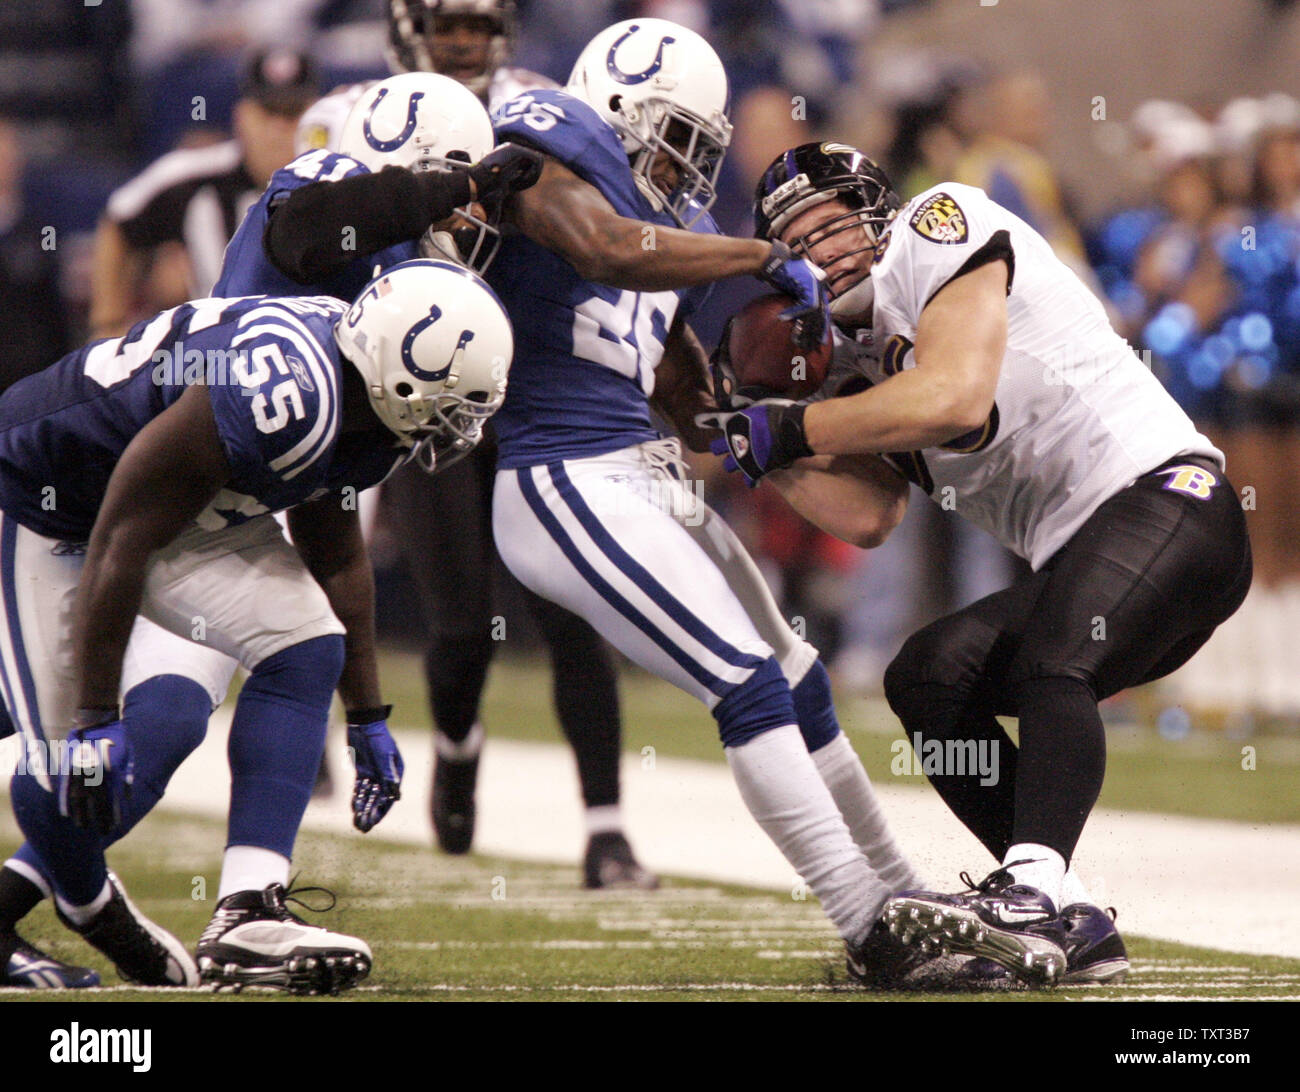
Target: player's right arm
[166,476]
[571,217]
[319,229]
[316,230]
[857,498]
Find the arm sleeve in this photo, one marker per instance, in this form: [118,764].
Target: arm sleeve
[316,231]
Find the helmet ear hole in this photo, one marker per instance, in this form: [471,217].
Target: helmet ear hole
[403,390]
[614,100]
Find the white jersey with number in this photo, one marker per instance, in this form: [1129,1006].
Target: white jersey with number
[1077,416]
[321,124]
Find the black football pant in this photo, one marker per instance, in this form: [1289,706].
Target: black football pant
[444,526]
[1133,594]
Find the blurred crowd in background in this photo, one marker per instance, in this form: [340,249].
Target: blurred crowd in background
[1200,268]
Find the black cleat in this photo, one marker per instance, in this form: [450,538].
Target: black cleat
[1011,924]
[1094,950]
[453,803]
[609,864]
[883,962]
[142,951]
[254,939]
[26,966]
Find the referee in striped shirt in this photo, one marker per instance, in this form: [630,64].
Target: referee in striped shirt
[198,196]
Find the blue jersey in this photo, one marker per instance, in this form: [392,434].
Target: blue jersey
[273,374]
[585,354]
[247,271]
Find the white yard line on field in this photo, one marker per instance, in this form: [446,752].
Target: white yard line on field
[1226,885]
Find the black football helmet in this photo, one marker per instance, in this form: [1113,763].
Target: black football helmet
[804,176]
[412,25]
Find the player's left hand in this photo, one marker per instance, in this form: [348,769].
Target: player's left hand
[379,769]
[506,169]
[800,278]
[759,438]
[95,780]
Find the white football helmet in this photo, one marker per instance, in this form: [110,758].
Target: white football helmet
[433,346]
[424,121]
[663,89]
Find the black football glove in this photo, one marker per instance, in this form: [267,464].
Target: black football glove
[506,169]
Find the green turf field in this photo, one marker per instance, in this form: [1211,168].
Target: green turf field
[481,928]
[1202,775]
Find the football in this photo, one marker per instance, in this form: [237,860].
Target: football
[764,354]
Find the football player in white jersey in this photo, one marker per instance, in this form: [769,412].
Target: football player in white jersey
[986,373]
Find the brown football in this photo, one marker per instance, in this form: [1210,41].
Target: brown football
[763,352]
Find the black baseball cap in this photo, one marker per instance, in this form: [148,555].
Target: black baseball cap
[280,80]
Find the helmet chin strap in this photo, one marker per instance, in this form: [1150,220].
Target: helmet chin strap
[854,306]
[649,191]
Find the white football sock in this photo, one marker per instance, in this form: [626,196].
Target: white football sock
[780,785]
[855,796]
[1044,868]
[251,868]
[1072,890]
[80,915]
[467,748]
[606,819]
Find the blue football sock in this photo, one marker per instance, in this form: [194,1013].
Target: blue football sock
[165,718]
[276,742]
[815,709]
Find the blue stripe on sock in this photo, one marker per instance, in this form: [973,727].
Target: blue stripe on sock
[643,578]
[607,592]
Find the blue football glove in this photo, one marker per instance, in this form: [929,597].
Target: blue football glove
[759,438]
[94,780]
[379,769]
[798,277]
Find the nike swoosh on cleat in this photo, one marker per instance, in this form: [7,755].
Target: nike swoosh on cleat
[1015,915]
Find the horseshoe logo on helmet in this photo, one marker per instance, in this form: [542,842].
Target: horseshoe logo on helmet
[635,77]
[408,358]
[412,109]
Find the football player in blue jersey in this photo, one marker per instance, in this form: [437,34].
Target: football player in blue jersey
[139,475]
[593,507]
[173,682]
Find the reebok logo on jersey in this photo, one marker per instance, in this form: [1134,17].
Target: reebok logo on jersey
[939,218]
[300,373]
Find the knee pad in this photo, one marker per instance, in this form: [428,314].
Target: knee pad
[757,705]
